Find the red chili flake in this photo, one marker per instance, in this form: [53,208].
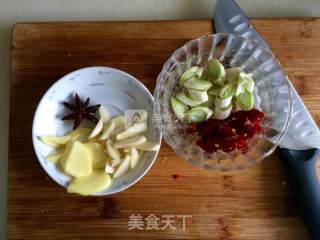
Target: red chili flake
[255,116]
[229,134]
[175,176]
[192,128]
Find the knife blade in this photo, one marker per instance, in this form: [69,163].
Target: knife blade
[303,134]
[229,18]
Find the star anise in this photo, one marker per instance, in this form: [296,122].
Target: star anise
[80,111]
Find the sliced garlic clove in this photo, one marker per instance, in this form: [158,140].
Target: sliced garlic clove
[115,162]
[109,168]
[130,142]
[123,167]
[134,130]
[107,130]
[119,121]
[119,125]
[96,131]
[112,151]
[148,146]
[104,114]
[117,131]
[134,156]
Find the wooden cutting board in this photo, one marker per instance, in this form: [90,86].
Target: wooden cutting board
[252,204]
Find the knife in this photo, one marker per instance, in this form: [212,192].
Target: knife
[299,147]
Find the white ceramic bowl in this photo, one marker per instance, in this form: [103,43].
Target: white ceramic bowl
[116,90]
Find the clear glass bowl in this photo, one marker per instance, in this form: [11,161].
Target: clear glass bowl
[272,95]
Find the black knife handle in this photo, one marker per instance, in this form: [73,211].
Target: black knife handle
[301,165]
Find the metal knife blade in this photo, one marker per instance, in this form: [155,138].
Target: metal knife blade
[303,132]
[229,18]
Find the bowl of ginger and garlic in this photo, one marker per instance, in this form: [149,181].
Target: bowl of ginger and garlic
[93,131]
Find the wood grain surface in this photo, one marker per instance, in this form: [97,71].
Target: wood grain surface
[252,204]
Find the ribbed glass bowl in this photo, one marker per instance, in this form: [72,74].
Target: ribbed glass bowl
[271,89]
